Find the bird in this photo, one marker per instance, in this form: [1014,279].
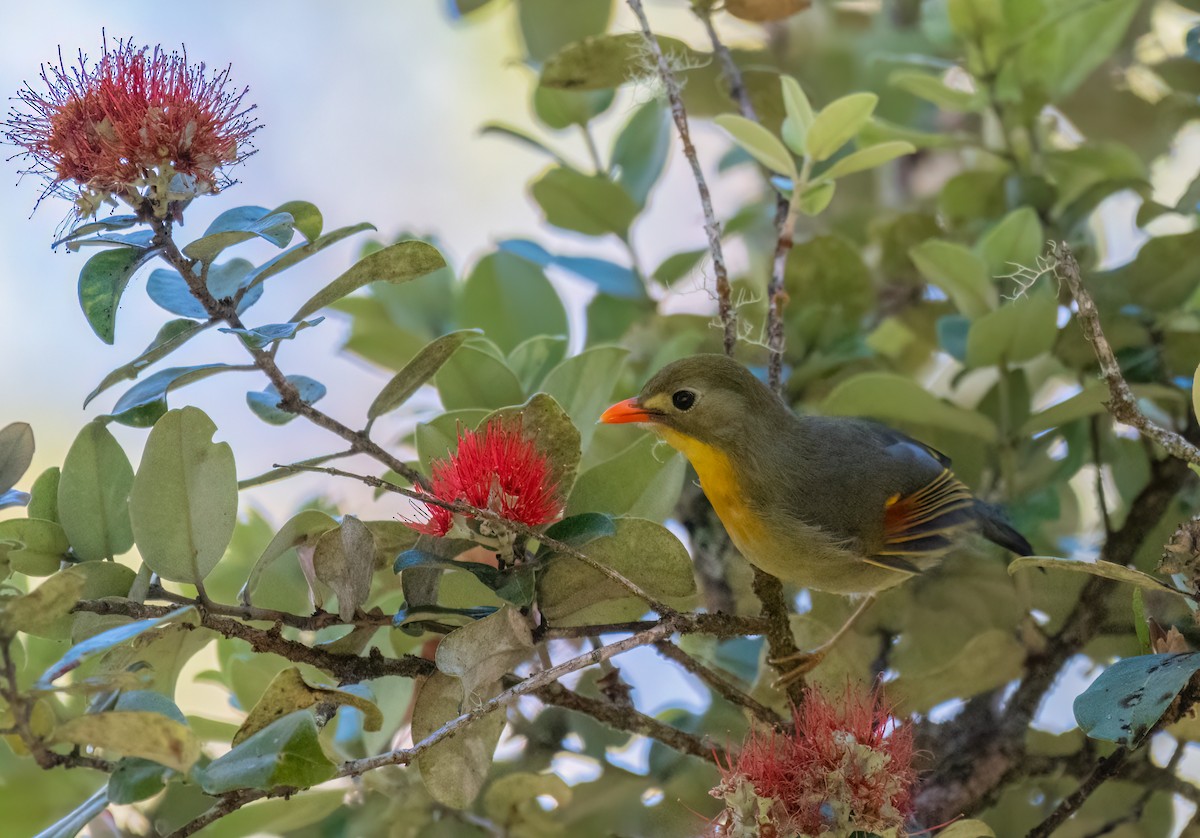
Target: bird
[831,503]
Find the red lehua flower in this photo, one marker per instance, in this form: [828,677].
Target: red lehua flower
[136,118]
[497,469]
[846,768]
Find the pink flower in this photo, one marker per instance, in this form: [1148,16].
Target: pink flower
[496,469]
[846,768]
[135,118]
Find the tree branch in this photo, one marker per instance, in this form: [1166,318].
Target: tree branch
[719,684]
[780,642]
[404,756]
[289,396]
[711,228]
[348,669]
[785,218]
[1123,406]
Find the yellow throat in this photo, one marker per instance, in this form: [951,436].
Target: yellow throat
[720,485]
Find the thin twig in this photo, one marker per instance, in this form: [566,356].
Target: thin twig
[711,228]
[289,396]
[1123,405]
[719,683]
[405,756]
[780,642]
[785,218]
[717,625]
[346,668]
[488,515]
[1106,769]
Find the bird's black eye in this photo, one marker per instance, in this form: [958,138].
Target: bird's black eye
[683,399]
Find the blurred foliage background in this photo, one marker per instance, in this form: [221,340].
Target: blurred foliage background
[917,296]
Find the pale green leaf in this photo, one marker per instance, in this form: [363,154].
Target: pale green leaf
[397,263]
[868,158]
[183,504]
[93,495]
[759,143]
[838,123]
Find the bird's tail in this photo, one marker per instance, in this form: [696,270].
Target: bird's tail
[995,528]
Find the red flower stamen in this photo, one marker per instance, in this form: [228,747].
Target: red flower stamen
[847,767]
[497,469]
[135,118]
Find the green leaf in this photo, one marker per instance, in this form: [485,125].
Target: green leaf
[1106,570]
[1162,277]
[642,481]
[533,358]
[135,779]
[545,29]
[169,290]
[455,769]
[572,594]
[113,222]
[16,453]
[134,733]
[344,559]
[868,158]
[299,529]
[1129,697]
[561,109]
[286,752]
[759,143]
[676,267]
[1059,57]
[639,153]
[45,611]
[305,217]
[104,641]
[967,829]
[265,403]
[959,272]
[577,530]
[816,198]
[513,801]
[184,499]
[301,252]
[588,204]
[280,815]
[510,299]
[397,263]
[289,692]
[1015,240]
[43,495]
[238,225]
[1014,333]
[933,89]
[481,653]
[583,384]
[896,398]
[172,335]
[799,112]
[474,378]
[32,546]
[262,336]
[608,61]
[838,123]
[93,495]
[102,282]
[984,660]
[145,402]
[417,372]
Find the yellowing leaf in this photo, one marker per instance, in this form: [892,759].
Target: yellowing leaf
[289,692]
[135,733]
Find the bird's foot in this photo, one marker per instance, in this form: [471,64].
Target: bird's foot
[805,662]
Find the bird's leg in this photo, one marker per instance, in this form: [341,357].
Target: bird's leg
[807,661]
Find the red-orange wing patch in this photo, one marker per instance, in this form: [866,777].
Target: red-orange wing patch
[924,521]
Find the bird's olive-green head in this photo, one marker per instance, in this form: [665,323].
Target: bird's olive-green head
[709,398]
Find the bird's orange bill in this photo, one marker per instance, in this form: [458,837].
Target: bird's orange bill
[923,522]
[623,412]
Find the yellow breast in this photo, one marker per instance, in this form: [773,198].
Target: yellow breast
[720,485]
